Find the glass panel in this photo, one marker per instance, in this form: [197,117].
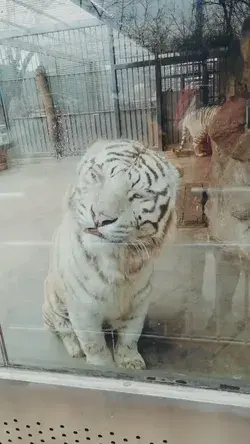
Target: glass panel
[68,79]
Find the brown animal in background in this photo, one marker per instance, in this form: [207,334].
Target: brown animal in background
[228,207]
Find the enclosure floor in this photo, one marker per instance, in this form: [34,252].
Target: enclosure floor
[27,221]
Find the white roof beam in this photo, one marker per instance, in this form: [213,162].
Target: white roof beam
[40,12]
[18,43]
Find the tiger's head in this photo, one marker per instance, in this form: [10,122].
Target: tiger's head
[125,194]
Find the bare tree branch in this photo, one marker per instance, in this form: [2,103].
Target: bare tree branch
[162,25]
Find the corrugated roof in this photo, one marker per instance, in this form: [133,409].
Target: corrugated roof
[22,17]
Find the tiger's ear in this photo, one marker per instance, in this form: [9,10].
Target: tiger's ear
[92,150]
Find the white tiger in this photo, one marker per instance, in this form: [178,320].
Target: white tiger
[195,123]
[117,217]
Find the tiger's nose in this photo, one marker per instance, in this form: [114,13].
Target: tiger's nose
[101,219]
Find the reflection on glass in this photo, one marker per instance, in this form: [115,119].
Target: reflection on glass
[64,87]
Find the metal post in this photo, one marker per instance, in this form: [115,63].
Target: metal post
[3,349]
[204,86]
[182,82]
[159,103]
[247,125]
[5,114]
[115,90]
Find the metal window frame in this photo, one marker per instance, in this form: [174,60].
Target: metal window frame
[203,400]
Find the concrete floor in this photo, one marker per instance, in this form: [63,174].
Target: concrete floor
[184,285]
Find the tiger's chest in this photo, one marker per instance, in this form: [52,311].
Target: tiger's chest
[122,301]
[107,283]
[119,287]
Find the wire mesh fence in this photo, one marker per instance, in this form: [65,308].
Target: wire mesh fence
[103,85]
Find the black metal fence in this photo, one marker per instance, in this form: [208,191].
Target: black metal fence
[116,89]
[161,81]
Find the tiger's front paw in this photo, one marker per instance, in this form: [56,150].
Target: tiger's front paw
[129,359]
[101,358]
[72,346]
[100,361]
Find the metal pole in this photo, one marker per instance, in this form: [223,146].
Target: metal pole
[115,90]
[6,118]
[247,114]
[3,348]
[204,86]
[159,103]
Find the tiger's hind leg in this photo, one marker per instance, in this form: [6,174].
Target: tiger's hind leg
[200,144]
[198,150]
[183,140]
[183,137]
[56,319]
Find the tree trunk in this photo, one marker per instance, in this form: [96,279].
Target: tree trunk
[51,117]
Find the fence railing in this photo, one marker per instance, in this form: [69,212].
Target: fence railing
[125,91]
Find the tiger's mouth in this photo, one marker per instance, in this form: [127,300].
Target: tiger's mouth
[95,232]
